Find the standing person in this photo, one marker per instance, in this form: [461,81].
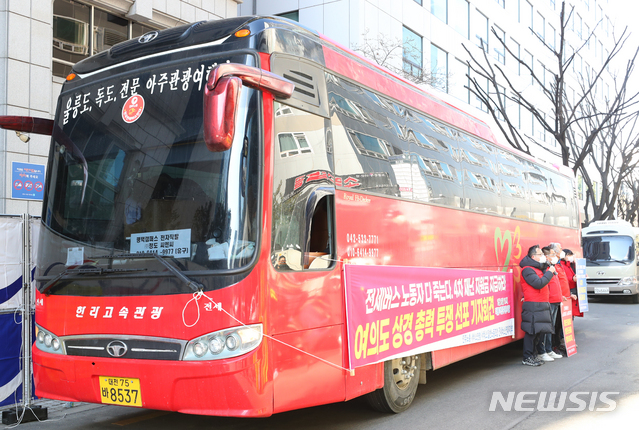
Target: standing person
[568,264]
[535,311]
[558,344]
[544,347]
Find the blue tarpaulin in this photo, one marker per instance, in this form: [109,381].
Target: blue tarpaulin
[10,360]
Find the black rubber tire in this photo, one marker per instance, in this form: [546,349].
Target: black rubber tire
[398,392]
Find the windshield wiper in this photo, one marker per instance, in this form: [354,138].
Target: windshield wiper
[617,261]
[195,286]
[89,271]
[593,261]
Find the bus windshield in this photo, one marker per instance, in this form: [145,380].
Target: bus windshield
[608,250]
[129,173]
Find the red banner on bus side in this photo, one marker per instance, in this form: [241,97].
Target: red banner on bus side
[398,311]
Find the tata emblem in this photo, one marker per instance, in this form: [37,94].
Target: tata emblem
[117,348]
[146,38]
[600,273]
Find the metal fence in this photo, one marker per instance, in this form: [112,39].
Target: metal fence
[18,246]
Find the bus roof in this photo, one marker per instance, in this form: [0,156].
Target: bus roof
[610,227]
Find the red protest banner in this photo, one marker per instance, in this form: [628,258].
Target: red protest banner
[566,323]
[395,311]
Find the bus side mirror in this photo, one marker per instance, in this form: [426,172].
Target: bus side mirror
[220,106]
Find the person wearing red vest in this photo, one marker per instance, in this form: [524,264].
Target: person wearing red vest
[535,311]
[544,347]
[558,344]
[568,263]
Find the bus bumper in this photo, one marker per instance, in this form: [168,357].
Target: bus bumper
[234,387]
[615,288]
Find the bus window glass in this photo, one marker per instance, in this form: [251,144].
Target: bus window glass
[364,145]
[608,250]
[538,194]
[480,173]
[302,164]
[436,174]
[561,192]
[513,185]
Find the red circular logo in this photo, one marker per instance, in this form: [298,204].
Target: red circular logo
[133,108]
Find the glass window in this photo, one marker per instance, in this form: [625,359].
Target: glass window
[526,14]
[293,144]
[302,193]
[539,196]
[70,35]
[578,26]
[608,250]
[459,17]
[108,30]
[439,9]
[412,53]
[501,95]
[73,39]
[551,35]
[483,84]
[540,26]
[439,67]
[294,15]
[513,109]
[527,58]
[481,30]
[514,192]
[481,181]
[515,49]
[499,49]
[435,174]
[459,80]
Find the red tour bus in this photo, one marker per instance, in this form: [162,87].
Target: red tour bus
[208,184]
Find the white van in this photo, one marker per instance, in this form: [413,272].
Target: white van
[610,249]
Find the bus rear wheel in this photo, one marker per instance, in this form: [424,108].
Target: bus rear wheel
[401,376]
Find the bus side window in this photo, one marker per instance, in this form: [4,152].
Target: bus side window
[303,188]
[320,237]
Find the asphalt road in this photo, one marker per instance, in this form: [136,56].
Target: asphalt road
[457,396]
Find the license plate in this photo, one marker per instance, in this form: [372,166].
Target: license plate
[120,391]
[602,290]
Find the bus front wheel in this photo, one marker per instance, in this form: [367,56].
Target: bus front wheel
[401,376]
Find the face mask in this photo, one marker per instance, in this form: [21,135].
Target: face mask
[562,255]
[542,259]
[570,258]
[554,260]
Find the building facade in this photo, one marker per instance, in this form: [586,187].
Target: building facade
[39,42]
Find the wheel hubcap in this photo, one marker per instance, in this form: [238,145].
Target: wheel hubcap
[404,370]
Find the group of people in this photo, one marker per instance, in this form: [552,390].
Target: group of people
[547,278]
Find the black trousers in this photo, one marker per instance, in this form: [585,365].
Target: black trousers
[530,340]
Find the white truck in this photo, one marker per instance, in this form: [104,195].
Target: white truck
[610,249]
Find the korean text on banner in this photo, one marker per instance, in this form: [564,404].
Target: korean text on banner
[396,311]
[582,290]
[566,323]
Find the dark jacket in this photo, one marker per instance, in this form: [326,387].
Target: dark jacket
[535,311]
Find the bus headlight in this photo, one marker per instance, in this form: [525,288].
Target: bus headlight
[47,341]
[228,343]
